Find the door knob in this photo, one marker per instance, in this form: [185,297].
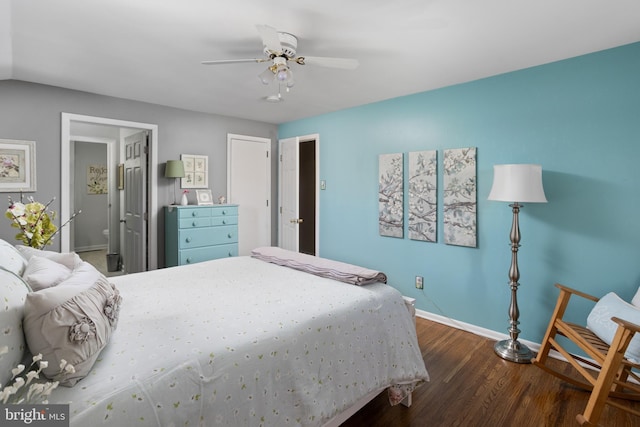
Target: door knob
[296,221]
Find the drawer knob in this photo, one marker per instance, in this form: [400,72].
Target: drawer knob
[194,223]
[194,213]
[224,221]
[230,254]
[188,260]
[224,212]
[230,235]
[188,239]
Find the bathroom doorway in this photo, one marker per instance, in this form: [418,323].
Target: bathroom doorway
[112,132]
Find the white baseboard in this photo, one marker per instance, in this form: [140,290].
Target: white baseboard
[477,330]
[90,248]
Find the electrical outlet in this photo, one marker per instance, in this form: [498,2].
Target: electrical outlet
[419,282]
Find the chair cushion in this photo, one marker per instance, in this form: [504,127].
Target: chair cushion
[599,321]
[636,299]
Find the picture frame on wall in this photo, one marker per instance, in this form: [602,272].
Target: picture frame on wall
[196,171]
[204,197]
[17,166]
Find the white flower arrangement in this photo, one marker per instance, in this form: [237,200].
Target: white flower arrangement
[25,388]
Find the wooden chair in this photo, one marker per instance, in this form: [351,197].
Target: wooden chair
[608,376]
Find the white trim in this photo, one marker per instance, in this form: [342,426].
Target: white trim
[477,330]
[152,208]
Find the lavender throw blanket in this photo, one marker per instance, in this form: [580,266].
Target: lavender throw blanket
[323,267]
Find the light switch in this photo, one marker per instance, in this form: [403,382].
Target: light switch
[323,185]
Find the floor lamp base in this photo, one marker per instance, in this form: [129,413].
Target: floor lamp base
[513,351]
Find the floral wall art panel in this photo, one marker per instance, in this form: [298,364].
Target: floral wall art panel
[423,195]
[460,203]
[390,195]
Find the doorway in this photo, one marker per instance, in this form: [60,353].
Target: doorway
[299,178]
[71,125]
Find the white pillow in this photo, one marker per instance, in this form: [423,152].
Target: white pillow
[13,292]
[84,275]
[42,273]
[68,259]
[600,323]
[11,259]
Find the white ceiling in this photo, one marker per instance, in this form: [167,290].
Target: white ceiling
[150,50]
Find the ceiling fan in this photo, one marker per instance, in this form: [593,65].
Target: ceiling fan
[280,49]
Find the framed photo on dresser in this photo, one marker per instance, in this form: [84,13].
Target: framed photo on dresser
[204,197]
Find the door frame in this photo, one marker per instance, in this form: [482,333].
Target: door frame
[301,139]
[152,177]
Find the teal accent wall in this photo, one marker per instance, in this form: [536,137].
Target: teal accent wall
[579,118]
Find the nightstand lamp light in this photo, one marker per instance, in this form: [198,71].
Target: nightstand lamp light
[518,183]
[174,169]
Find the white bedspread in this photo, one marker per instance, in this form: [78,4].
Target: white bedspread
[243,342]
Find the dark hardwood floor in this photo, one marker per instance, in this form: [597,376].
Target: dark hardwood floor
[471,386]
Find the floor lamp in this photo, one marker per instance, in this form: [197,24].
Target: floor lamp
[174,169]
[516,184]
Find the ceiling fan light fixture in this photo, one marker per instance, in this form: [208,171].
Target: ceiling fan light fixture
[283,74]
[266,76]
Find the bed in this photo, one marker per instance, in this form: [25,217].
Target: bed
[236,342]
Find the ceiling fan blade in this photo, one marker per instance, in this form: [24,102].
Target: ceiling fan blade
[344,63]
[233,61]
[270,38]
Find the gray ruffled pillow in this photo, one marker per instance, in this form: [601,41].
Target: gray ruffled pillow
[73,323]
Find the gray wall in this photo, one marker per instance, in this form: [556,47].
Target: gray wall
[31,111]
[89,225]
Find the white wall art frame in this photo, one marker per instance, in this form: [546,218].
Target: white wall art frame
[460,201]
[423,195]
[17,166]
[391,195]
[196,171]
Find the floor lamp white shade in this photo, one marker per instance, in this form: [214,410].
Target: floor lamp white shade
[516,184]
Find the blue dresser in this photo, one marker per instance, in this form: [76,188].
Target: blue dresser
[199,233]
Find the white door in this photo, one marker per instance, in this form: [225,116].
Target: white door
[249,186]
[288,194]
[135,236]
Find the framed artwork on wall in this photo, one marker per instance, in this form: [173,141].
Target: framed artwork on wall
[196,171]
[460,197]
[391,195]
[17,166]
[423,195]
[97,179]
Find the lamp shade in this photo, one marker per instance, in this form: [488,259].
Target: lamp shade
[174,169]
[517,183]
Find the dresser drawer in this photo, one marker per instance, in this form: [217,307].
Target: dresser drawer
[191,256]
[207,236]
[224,220]
[224,210]
[194,212]
[196,222]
